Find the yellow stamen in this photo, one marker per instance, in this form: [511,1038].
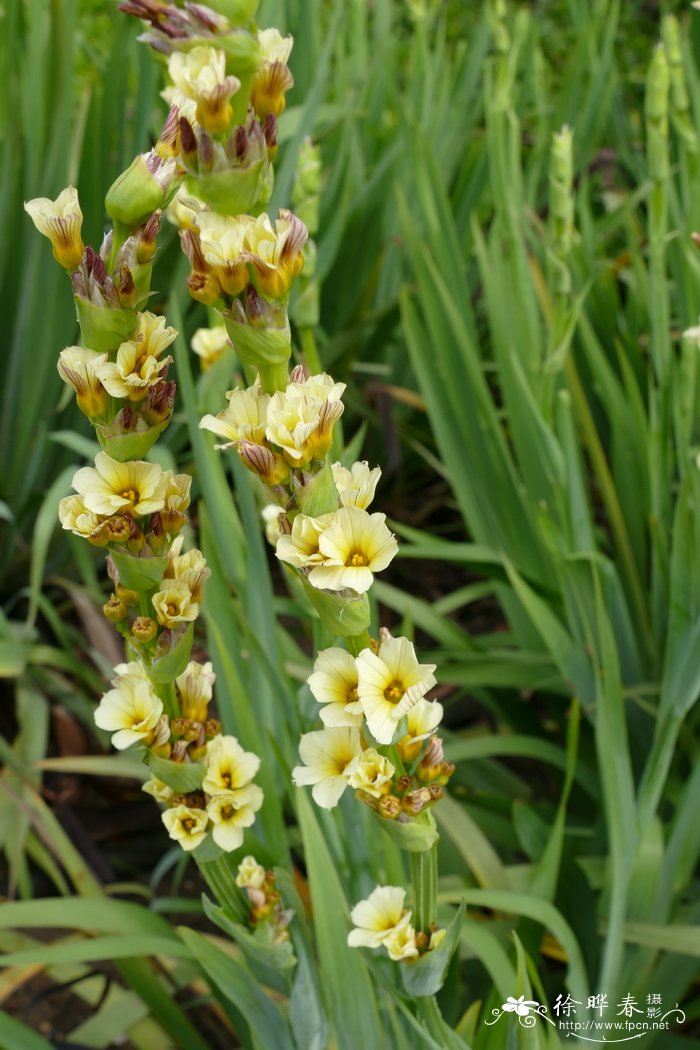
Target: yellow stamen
[357,558]
[394,691]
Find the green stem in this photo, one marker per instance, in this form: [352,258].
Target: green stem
[358,642]
[219,877]
[274,377]
[424,876]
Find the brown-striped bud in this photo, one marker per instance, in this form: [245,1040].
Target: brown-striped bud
[272,469]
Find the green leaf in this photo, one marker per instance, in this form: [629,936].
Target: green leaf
[257,946]
[167,668]
[139,574]
[480,856]
[344,976]
[182,777]
[411,836]
[234,982]
[16,1036]
[426,976]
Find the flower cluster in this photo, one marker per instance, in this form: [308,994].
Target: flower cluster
[260,888]
[382,921]
[366,700]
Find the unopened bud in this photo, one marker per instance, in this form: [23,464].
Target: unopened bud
[146,186]
[389,807]
[126,289]
[415,801]
[115,609]
[114,530]
[272,469]
[146,244]
[188,143]
[179,751]
[178,727]
[212,728]
[144,629]
[161,733]
[403,783]
[422,941]
[127,596]
[158,405]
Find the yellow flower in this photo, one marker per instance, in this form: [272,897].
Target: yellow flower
[75,516]
[139,364]
[353,546]
[421,721]
[301,418]
[210,343]
[401,942]
[275,253]
[228,766]
[80,369]
[378,917]
[174,604]
[160,791]
[250,873]
[230,812]
[222,241]
[301,547]
[326,754]
[200,74]
[176,500]
[183,209]
[334,684]
[356,486]
[134,488]
[270,515]
[61,221]
[132,710]
[195,690]
[244,419]
[371,772]
[390,684]
[187,826]
[273,78]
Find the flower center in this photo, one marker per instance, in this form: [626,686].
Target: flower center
[351,695]
[357,558]
[188,824]
[171,609]
[130,494]
[394,691]
[225,778]
[227,812]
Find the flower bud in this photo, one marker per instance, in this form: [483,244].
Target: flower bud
[212,728]
[146,186]
[116,529]
[146,243]
[144,629]
[115,609]
[389,807]
[127,596]
[272,469]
